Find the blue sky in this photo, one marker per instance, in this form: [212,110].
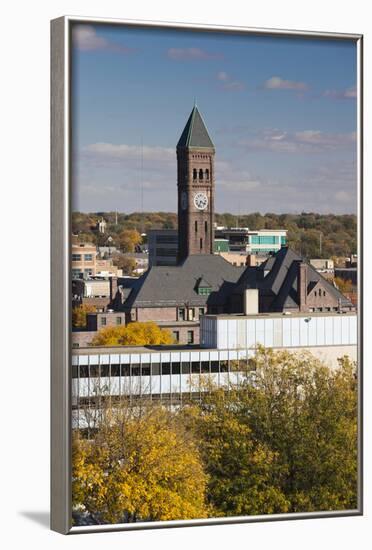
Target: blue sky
[280,111]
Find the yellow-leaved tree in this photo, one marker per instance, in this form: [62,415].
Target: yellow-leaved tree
[141,465]
[133,334]
[79,315]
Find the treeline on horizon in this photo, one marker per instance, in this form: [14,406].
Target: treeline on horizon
[309,234]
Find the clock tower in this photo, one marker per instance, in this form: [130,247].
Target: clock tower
[195,181]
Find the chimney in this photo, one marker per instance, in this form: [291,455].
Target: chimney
[251,260]
[302,286]
[113,288]
[250,301]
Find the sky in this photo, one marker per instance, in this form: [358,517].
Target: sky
[281,112]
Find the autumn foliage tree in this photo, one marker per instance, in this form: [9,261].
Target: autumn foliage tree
[133,334]
[139,466]
[129,239]
[79,315]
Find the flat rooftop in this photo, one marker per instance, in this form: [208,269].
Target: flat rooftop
[279,315]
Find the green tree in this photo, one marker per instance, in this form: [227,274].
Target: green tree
[307,413]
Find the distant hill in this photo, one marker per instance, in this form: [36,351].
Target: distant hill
[339,232]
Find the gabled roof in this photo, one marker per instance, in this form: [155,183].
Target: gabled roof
[282,279]
[163,286]
[195,133]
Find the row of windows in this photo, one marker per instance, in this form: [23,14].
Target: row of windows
[118,321]
[200,157]
[205,226]
[182,312]
[78,257]
[167,239]
[166,252]
[156,369]
[77,272]
[190,336]
[201,174]
[267,239]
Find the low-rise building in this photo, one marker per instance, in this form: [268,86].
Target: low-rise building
[229,342]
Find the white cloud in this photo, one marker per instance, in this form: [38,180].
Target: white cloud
[278,83]
[85,38]
[185,54]
[306,141]
[228,83]
[123,152]
[348,93]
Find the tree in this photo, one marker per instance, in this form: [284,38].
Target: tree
[133,334]
[140,465]
[129,239]
[79,315]
[307,413]
[244,475]
[343,285]
[127,265]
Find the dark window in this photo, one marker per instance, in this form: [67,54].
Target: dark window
[206,227]
[115,370]
[135,369]
[324,292]
[103,321]
[155,369]
[118,320]
[201,244]
[125,370]
[195,367]
[75,344]
[194,174]
[201,311]
[176,368]
[181,314]
[146,369]
[84,371]
[214,366]
[165,368]
[76,257]
[205,366]
[190,336]
[94,371]
[185,368]
[200,174]
[74,371]
[196,226]
[88,257]
[105,371]
[176,335]
[224,366]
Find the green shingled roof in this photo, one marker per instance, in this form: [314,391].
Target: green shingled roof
[195,133]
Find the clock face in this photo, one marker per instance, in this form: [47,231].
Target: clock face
[184,200]
[201,201]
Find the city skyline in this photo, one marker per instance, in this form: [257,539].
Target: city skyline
[281,112]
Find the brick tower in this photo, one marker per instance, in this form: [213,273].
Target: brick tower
[195,181]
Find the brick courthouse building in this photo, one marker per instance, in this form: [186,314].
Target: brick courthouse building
[175,297]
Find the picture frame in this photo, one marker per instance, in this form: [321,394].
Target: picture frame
[61,327]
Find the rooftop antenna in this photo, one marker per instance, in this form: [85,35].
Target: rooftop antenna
[141,184]
[194,101]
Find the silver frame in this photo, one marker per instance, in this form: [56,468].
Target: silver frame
[60,273]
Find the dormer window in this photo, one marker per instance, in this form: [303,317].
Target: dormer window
[203,288]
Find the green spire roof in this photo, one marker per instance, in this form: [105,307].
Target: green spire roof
[195,133]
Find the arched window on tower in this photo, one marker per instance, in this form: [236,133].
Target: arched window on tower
[207,174]
[196,226]
[206,227]
[194,174]
[201,244]
[200,174]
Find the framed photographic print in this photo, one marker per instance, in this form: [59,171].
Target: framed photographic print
[206,275]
